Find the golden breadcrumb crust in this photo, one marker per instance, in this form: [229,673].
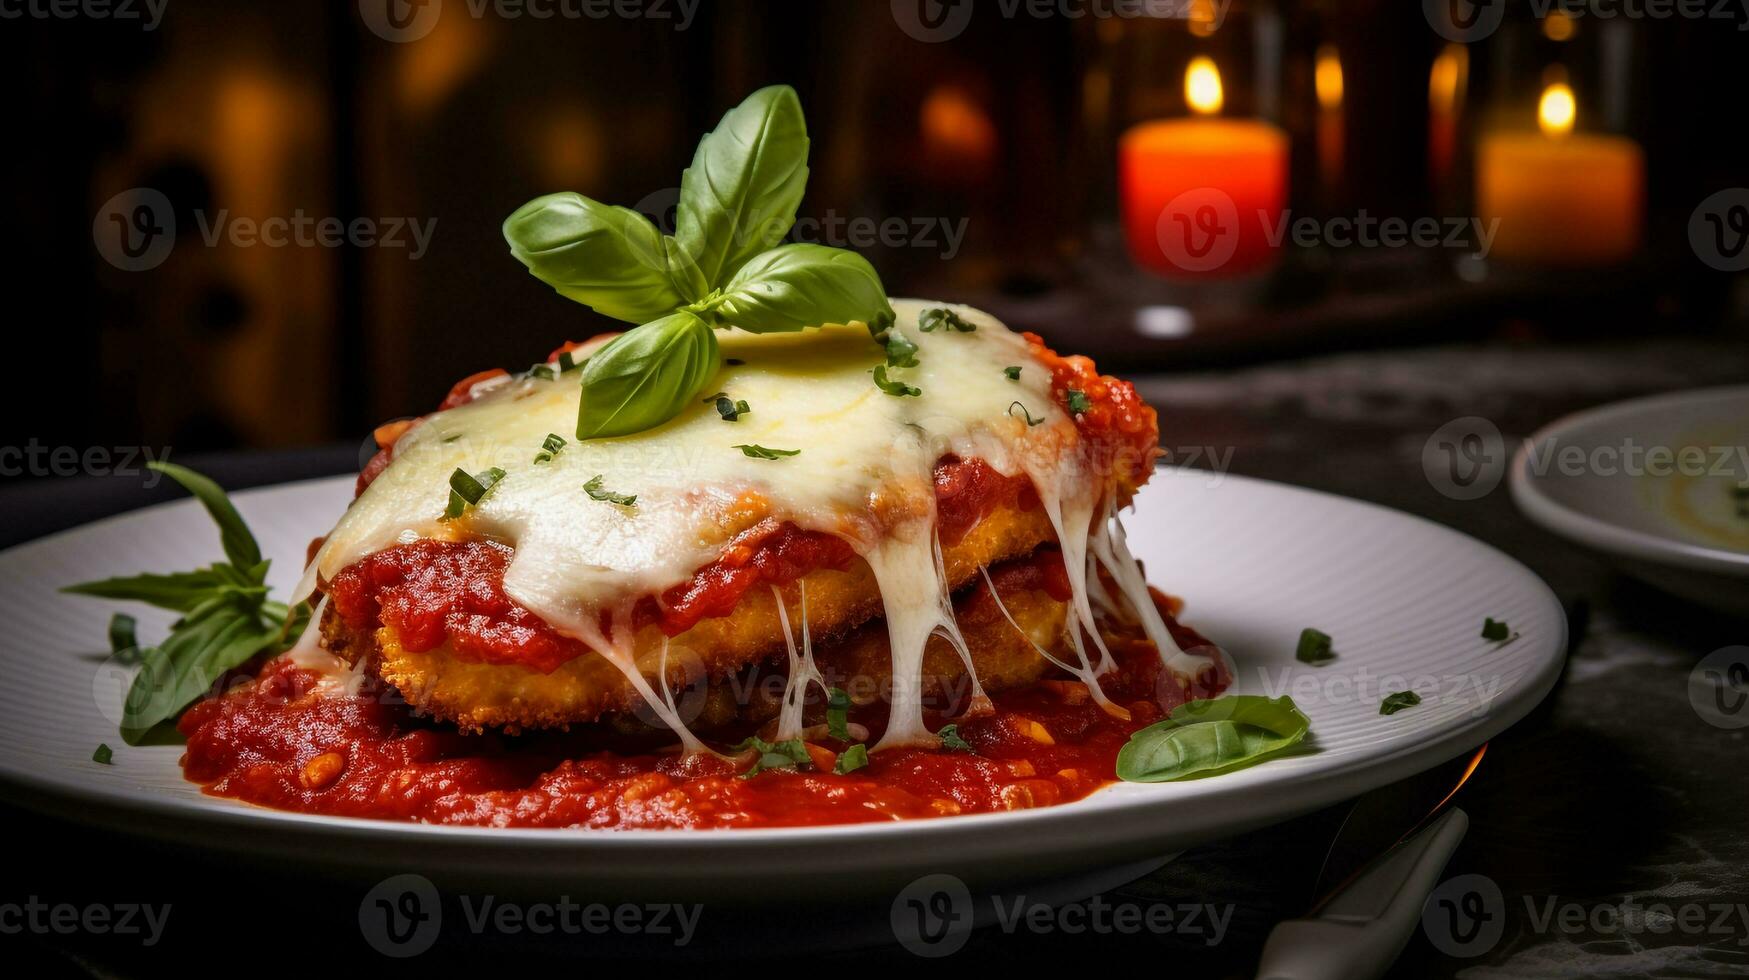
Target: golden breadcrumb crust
[477,695]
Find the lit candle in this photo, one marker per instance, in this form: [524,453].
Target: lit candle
[1561,198]
[1327,83]
[1447,84]
[1202,197]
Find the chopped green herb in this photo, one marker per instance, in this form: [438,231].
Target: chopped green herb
[932,320]
[897,389]
[787,754]
[123,643]
[950,739]
[760,452]
[1030,421]
[549,448]
[1394,703]
[838,714]
[467,491]
[1012,371]
[542,371]
[568,361]
[901,352]
[1078,403]
[734,362]
[103,755]
[729,408]
[595,492]
[1314,648]
[851,759]
[1494,629]
[449,439]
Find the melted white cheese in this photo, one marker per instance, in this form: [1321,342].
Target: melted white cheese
[580,562]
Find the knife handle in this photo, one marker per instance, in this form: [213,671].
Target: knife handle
[1334,946]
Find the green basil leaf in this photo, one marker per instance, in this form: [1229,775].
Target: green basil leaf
[1314,647]
[646,376]
[851,759]
[103,754]
[177,591]
[240,546]
[838,714]
[211,640]
[740,195]
[610,259]
[952,740]
[596,491]
[901,352]
[787,754]
[944,320]
[898,389]
[1205,738]
[1394,703]
[756,451]
[793,287]
[1495,629]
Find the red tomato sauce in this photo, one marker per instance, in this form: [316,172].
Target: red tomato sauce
[278,741]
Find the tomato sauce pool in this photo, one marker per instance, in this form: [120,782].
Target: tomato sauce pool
[286,740]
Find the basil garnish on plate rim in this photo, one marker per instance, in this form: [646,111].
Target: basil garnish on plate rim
[1206,738]
[226,618]
[723,267]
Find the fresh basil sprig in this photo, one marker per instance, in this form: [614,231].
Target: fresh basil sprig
[1203,738]
[723,267]
[226,616]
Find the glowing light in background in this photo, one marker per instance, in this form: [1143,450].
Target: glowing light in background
[1202,18]
[1327,78]
[1165,322]
[1202,86]
[956,128]
[1556,111]
[1557,26]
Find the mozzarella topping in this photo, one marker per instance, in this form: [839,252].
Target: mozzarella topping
[864,472]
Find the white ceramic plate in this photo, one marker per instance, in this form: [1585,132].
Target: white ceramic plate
[1649,483]
[1403,598]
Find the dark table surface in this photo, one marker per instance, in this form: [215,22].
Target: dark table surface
[1612,819]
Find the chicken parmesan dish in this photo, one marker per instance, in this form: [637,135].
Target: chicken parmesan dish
[786,552]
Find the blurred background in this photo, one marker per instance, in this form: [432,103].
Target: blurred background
[275,225]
